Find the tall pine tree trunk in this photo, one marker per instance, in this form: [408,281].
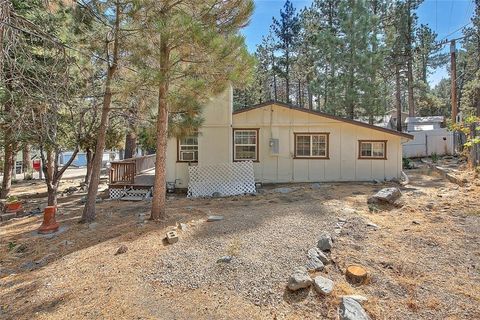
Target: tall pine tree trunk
[9,150]
[398,97]
[130,144]
[88,214]
[159,188]
[89,155]
[49,171]
[411,101]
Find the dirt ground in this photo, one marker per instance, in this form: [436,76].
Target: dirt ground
[423,258]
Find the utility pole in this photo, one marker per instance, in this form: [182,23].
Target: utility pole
[453,79]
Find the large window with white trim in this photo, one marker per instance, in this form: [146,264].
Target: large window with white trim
[372,149]
[245,144]
[311,145]
[188,149]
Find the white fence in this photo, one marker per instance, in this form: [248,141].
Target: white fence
[225,179]
[439,141]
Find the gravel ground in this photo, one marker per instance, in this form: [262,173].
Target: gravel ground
[423,258]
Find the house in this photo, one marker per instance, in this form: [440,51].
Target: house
[385,121]
[430,137]
[424,123]
[287,144]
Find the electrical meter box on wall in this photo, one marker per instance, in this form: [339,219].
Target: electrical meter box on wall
[274,145]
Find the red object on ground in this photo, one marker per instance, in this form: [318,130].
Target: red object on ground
[36,165]
[49,225]
[13,206]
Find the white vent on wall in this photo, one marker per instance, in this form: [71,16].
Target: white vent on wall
[274,146]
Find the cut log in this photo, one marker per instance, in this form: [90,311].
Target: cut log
[356,274]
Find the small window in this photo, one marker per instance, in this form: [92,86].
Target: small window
[372,149]
[245,144]
[188,149]
[311,145]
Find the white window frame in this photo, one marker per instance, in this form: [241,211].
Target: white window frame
[235,145]
[311,135]
[181,152]
[371,142]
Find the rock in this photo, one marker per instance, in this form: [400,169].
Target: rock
[317,253]
[314,264]
[283,190]
[214,218]
[183,226]
[93,225]
[315,186]
[43,261]
[371,224]
[360,299]
[325,242]
[172,237]
[351,310]
[225,259]
[299,279]
[429,206]
[389,195]
[122,249]
[415,222]
[29,265]
[342,219]
[323,285]
[216,194]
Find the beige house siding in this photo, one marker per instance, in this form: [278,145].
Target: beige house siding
[281,123]
[215,145]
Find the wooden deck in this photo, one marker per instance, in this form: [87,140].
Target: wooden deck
[136,172]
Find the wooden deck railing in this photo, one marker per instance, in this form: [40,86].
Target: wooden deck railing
[124,171]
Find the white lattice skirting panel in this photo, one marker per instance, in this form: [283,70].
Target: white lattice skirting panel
[226,179]
[116,193]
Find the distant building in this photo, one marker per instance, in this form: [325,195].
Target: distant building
[385,121]
[424,123]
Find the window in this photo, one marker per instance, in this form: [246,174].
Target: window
[188,149]
[245,144]
[311,145]
[374,149]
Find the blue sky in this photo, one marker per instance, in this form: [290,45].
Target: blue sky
[445,17]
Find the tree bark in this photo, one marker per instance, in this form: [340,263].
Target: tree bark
[130,144]
[398,97]
[411,101]
[27,165]
[89,156]
[52,185]
[9,152]
[159,189]
[88,214]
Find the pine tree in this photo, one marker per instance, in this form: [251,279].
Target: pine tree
[286,30]
[194,50]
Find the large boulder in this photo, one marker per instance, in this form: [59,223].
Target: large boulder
[386,195]
[299,279]
[350,309]
[323,285]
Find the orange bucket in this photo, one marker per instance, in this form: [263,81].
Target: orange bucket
[49,225]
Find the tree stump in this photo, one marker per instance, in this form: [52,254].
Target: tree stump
[356,274]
